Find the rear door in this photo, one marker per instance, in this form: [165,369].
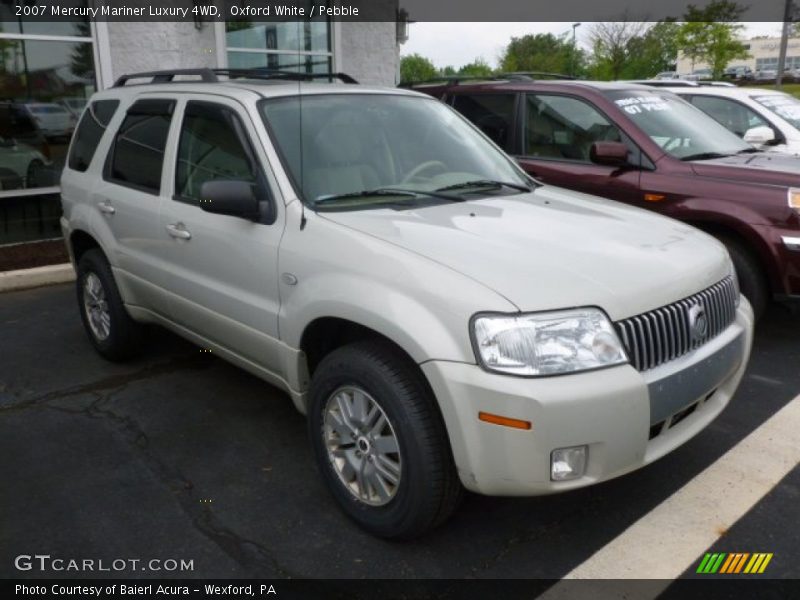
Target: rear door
[128,197]
[557,132]
[222,271]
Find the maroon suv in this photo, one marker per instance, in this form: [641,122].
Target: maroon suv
[649,148]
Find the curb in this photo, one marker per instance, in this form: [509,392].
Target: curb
[37,277]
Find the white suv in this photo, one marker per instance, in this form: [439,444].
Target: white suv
[442,319]
[765,118]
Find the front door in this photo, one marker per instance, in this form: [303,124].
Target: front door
[558,133]
[222,271]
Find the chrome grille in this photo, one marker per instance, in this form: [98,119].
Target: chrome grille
[664,334]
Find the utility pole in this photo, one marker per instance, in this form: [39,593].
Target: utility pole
[788,16]
[575,49]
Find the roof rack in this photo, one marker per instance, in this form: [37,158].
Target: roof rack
[458,79]
[212,75]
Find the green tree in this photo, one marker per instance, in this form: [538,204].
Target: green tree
[448,71]
[711,35]
[416,68]
[477,68]
[542,52]
[614,46]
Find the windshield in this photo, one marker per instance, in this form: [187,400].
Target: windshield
[360,150]
[785,106]
[677,127]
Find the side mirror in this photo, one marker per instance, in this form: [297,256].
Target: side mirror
[229,197]
[614,154]
[758,136]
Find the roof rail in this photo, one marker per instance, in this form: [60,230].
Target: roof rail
[212,75]
[535,75]
[511,76]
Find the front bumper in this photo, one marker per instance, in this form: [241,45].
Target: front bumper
[626,418]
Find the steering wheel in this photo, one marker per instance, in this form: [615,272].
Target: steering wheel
[422,167]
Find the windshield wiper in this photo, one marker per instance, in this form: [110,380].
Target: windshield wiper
[387,191]
[748,151]
[484,183]
[704,156]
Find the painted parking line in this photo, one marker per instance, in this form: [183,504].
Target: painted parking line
[675,534]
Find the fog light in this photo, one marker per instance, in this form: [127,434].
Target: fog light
[568,463]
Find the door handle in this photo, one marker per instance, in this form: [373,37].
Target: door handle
[179,231]
[106,208]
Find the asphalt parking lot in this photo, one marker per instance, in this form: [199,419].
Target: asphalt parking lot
[180,455]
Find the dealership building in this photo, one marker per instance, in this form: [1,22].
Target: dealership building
[48,69]
[764,54]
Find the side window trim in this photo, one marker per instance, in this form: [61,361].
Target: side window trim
[171,104]
[246,141]
[645,163]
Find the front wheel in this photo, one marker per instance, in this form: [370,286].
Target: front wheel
[752,280]
[380,442]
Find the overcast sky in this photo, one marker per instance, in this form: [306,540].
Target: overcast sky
[457,44]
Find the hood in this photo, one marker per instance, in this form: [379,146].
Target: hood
[555,249]
[763,167]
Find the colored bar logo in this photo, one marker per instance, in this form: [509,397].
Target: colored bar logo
[734,563]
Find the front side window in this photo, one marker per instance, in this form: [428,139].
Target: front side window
[491,113]
[676,126]
[90,130]
[137,156]
[212,146]
[730,114]
[356,150]
[564,128]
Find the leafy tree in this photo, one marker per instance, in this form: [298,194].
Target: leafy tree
[416,68]
[449,71]
[654,51]
[477,68]
[614,45]
[711,34]
[542,52]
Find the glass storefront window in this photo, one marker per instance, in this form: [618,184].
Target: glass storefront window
[303,46]
[44,87]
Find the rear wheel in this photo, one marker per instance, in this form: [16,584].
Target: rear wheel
[380,442]
[107,323]
[752,279]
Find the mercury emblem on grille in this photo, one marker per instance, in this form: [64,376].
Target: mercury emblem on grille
[698,323]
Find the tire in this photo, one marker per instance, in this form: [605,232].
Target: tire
[110,328]
[426,489]
[752,280]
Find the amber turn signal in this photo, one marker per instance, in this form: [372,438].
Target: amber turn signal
[653,197]
[504,421]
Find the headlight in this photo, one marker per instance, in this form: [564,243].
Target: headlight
[550,343]
[794,199]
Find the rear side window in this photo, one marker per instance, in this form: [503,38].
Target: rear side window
[492,113]
[90,130]
[213,146]
[137,156]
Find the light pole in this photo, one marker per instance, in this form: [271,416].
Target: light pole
[574,49]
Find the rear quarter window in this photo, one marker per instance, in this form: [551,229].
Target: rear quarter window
[90,130]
